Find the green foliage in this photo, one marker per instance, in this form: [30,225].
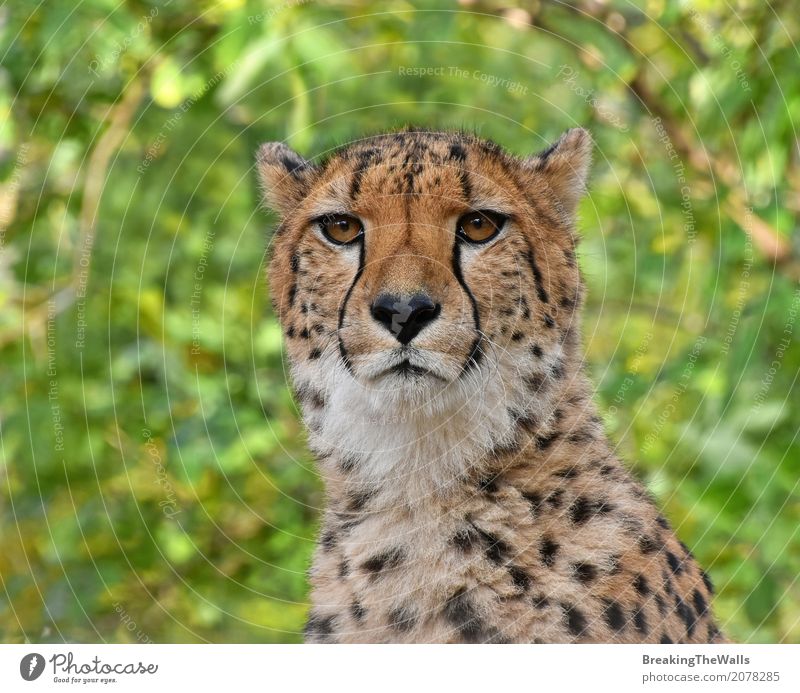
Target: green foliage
[154,480]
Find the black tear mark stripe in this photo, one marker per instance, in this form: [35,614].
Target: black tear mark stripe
[343,307]
[541,292]
[475,353]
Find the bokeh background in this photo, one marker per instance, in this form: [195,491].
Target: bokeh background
[154,482]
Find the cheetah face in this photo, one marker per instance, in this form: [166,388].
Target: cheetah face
[415,261]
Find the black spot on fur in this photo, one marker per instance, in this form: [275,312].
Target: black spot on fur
[640,583]
[328,540]
[457,152]
[294,262]
[568,473]
[548,551]
[309,395]
[536,382]
[358,500]
[517,336]
[292,294]
[358,611]
[668,588]
[675,565]
[290,331]
[549,322]
[584,572]
[614,615]
[348,463]
[519,577]
[402,618]
[666,640]
[344,569]
[544,442]
[581,436]
[576,621]
[662,607]
[488,484]
[314,354]
[700,605]
[687,615]
[460,612]
[535,500]
[536,350]
[466,538]
[495,548]
[555,498]
[540,602]
[384,561]
[292,165]
[662,522]
[583,509]
[319,626]
[640,621]
[648,545]
[707,581]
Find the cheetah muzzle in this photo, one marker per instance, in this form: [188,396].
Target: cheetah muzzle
[430,297]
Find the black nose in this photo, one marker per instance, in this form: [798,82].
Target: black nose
[404,316]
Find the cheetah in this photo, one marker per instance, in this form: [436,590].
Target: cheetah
[428,289]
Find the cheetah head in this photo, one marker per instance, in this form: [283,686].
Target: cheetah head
[426,271]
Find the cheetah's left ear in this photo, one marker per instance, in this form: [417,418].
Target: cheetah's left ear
[284,175]
[565,165]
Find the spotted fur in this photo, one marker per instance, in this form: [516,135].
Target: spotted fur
[472,493]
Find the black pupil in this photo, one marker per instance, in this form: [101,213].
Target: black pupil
[477,222]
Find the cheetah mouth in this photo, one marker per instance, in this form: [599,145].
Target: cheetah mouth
[408,370]
[406,366]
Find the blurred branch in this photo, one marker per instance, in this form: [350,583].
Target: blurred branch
[58,299]
[119,125]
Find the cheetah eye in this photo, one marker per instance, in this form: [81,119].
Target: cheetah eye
[340,228]
[480,226]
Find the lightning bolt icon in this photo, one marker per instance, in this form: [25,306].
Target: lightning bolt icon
[32,665]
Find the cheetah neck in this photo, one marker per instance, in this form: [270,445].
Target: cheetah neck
[406,448]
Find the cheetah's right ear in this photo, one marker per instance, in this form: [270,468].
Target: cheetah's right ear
[565,167]
[284,176]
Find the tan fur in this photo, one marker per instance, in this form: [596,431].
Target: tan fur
[478,501]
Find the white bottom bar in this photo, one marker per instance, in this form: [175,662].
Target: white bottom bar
[379,668]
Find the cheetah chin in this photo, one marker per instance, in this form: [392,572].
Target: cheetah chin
[429,293]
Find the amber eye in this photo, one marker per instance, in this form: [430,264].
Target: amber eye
[480,226]
[340,228]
